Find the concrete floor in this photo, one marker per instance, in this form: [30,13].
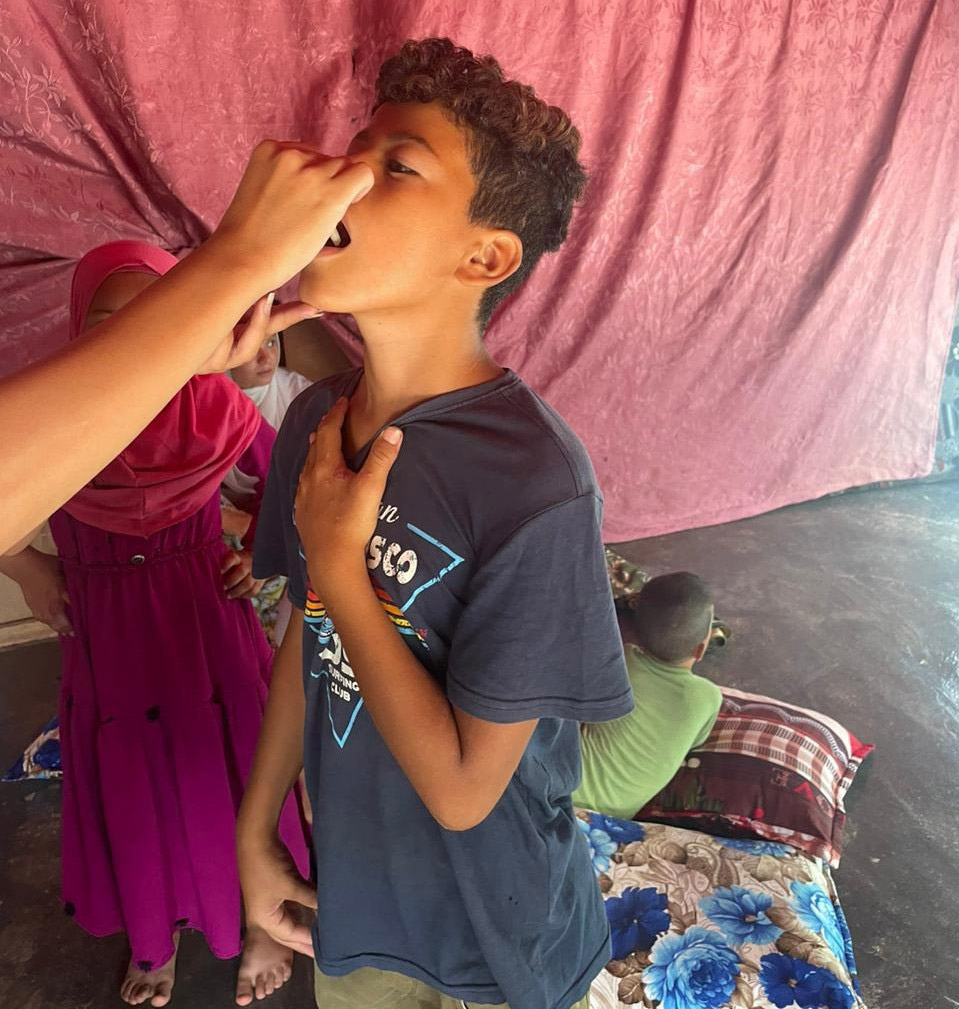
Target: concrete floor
[849,605]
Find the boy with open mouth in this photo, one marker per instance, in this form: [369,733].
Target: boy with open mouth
[440,527]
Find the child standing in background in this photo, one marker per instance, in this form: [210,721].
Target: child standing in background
[164,677]
[272,388]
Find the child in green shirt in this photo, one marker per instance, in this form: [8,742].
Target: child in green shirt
[665,629]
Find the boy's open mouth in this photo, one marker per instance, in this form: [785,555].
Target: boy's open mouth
[340,238]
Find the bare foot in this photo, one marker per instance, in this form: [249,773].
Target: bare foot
[264,967]
[155,985]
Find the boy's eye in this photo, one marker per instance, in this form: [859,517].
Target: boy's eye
[398,168]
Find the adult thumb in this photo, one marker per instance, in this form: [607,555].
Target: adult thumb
[355,181]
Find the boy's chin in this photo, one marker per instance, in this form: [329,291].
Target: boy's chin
[348,288]
[326,297]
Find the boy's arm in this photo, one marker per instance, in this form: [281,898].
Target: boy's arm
[619,774]
[267,874]
[715,703]
[459,765]
[458,762]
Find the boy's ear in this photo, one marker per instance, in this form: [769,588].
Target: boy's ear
[497,256]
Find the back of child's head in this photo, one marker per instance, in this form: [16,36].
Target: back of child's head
[669,617]
[523,153]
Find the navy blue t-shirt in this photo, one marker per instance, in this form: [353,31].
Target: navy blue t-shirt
[488,558]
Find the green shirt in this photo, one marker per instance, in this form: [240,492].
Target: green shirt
[628,761]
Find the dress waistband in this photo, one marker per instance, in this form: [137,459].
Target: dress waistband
[138,560]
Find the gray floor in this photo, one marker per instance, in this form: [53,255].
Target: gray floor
[849,605]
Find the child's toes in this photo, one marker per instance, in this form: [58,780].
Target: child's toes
[244,991]
[141,993]
[162,994]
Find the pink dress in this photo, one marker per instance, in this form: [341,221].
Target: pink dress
[164,687]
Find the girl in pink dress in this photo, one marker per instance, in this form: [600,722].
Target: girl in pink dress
[165,670]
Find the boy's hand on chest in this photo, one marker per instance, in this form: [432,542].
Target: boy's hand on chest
[336,509]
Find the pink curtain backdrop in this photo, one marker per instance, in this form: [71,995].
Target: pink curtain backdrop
[754,304]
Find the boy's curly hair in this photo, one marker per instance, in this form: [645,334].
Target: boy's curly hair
[523,152]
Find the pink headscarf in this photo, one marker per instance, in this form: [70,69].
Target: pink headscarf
[176,464]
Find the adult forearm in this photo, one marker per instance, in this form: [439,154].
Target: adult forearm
[279,752]
[65,418]
[81,407]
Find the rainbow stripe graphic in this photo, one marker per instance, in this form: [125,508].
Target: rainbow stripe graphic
[396,615]
[316,617]
[318,620]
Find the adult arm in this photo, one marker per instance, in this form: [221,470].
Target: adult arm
[66,417]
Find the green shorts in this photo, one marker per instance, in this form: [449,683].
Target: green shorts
[368,988]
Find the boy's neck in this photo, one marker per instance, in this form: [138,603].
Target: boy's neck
[408,361]
[684,664]
[630,637]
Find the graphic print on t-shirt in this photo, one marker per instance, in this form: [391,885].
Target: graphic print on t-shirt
[401,563]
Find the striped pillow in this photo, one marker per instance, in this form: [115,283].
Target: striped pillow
[770,770]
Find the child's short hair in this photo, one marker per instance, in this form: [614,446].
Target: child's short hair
[669,616]
[523,152]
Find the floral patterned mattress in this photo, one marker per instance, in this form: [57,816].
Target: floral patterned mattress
[700,922]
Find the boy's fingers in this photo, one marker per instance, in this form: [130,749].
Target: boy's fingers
[327,444]
[230,561]
[303,894]
[297,937]
[334,417]
[310,461]
[285,929]
[381,458]
[299,945]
